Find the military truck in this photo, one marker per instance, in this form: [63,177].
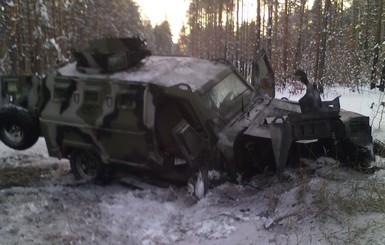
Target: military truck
[175,116]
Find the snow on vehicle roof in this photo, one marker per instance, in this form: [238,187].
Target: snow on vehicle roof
[161,70]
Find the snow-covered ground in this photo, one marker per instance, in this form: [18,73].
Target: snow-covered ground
[319,203]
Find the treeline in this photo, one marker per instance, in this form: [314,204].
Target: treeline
[36,35]
[335,41]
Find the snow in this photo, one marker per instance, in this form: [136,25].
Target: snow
[42,10]
[2,63]
[55,45]
[317,203]
[37,33]
[366,102]
[10,3]
[199,187]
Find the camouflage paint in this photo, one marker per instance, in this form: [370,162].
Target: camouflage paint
[116,115]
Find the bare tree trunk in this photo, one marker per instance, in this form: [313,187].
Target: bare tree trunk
[220,31]
[237,38]
[225,45]
[298,53]
[30,37]
[355,40]
[53,18]
[382,82]
[214,44]
[325,31]
[258,26]
[269,27]
[318,4]
[37,55]
[285,41]
[367,27]
[377,44]
[20,39]
[194,29]
[274,58]
[12,37]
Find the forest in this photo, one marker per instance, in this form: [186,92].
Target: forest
[334,41]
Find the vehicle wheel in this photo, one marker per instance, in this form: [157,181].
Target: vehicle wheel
[87,165]
[19,129]
[359,157]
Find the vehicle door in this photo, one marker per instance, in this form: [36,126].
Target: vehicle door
[263,75]
[124,132]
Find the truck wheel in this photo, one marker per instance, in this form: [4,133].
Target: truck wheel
[87,165]
[19,129]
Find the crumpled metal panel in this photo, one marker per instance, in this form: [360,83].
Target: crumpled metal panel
[281,139]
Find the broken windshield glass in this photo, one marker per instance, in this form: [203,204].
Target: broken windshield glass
[225,97]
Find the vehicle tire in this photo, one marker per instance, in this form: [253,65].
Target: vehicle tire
[359,158]
[86,165]
[19,128]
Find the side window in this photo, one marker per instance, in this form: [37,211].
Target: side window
[10,88]
[10,85]
[91,102]
[60,90]
[91,96]
[127,100]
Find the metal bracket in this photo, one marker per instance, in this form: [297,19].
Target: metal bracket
[281,138]
[189,141]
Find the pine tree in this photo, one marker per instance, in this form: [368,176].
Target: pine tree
[163,39]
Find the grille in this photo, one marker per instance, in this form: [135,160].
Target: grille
[189,140]
[359,125]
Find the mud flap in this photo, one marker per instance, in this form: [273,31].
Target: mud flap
[281,138]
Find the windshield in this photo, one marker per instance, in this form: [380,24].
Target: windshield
[226,96]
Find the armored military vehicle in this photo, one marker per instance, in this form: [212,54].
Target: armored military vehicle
[177,116]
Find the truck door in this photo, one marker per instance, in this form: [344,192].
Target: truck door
[263,75]
[124,132]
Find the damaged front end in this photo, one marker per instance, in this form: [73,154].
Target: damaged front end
[279,133]
[271,132]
